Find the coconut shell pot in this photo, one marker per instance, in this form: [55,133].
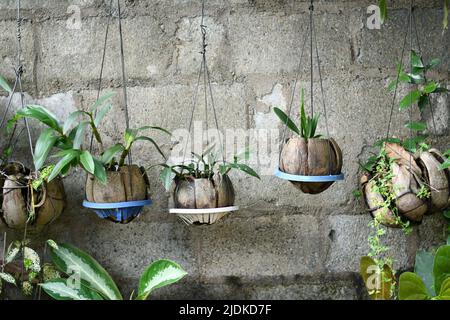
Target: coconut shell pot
[126,190]
[405,187]
[374,200]
[438,180]
[203,193]
[311,157]
[49,200]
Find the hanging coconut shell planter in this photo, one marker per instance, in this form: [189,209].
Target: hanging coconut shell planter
[122,198]
[403,187]
[203,200]
[24,205]
[406,179]
[28,200]
[116,189]
[201,188]
[309,161]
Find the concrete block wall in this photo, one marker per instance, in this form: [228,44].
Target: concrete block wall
[282,244]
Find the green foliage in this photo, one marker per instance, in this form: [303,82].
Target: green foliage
[20,256]
[94,283]
[159,274]
[379,280]
[68,138]
[446,163]
[205,165]
[308,125]
[431,277]
[4,84]
[420,95]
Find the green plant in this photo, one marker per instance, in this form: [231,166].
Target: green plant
[88,280]
[205,165]
[421,94]
[446,163]
[384,12]
[430,279]
[308,125]
[22,266]
[7,148]
[68,138]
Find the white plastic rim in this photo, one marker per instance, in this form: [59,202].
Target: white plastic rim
[204,211]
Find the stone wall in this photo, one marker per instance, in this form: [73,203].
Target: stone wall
[281,244]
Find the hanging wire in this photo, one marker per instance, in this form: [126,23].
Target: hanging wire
[105,42]
[425,78]
[204,71]
[19,72]
[123,73]
[323,101]
[291,102]
[410,97]
[124,79]
[399,69]
[311,12]
[312,36]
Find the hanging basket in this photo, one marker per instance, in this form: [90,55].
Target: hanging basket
[409,174]
[311,165]
[122,198]
[203,201]
[49,200]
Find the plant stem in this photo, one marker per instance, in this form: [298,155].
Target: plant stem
[123,157]
[95,132]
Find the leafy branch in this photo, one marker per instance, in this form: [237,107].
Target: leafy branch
[308,125]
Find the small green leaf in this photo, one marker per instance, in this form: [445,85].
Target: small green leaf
[87,161]
[41,114]
[60,289]
[411,287]
[65,161]
[166,177]
[409,99]
[424,100]
[430,87]
[44,144]
[101,101]
[13,250]
[79,136]
[159,274]
[383,10]
[4,84]
[101,114]
[100,171]
[441,269]
[129,136]
[433,64]
[286,120]
[416,61]
[71,120]
[109,153]
[32,257]
[444,294]
[416,126]
[8,278]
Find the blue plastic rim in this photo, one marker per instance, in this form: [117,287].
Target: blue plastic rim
[121,212]
[293,177]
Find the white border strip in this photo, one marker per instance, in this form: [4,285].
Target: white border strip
[202,211]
